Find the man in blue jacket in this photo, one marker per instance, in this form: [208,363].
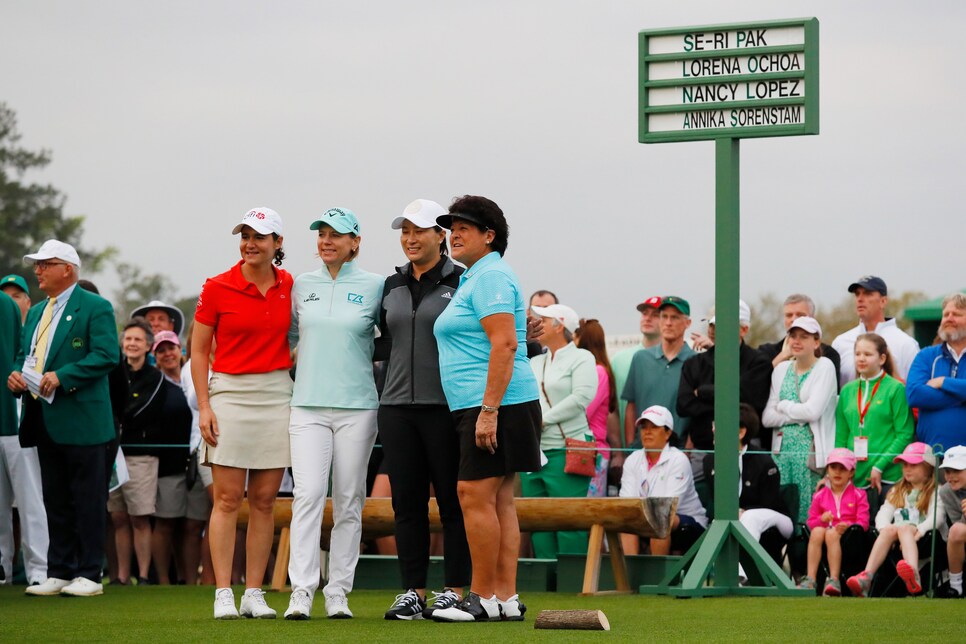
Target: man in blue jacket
[936,385]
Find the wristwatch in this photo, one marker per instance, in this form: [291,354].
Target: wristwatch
[488,409]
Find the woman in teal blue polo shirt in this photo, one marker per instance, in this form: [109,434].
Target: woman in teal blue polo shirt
[493,396]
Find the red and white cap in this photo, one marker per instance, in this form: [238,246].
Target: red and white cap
[916,453]
[658,415]
[653,302]
[264,221]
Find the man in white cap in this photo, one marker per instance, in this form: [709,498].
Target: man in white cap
[161,316]
[660,470]
[68,347]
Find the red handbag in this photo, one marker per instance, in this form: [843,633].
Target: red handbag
[581,455]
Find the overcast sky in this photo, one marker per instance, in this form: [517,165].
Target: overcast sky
[167,121]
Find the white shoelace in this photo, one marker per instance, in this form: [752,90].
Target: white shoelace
[444,599]
[408,598]
[300,598]
[225,597]
[256,595]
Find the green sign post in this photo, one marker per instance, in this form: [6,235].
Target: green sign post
[725,83]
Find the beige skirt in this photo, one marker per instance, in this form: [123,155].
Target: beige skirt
[252,411]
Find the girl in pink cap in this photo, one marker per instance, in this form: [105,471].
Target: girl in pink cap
[835,508]
[906,516]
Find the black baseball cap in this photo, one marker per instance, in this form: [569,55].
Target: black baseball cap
[869,283]
[446,221]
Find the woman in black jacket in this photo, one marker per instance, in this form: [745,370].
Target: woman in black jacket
[132,504]
[145,424]
[416,429]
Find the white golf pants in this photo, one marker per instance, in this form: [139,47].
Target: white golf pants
[323,438]
[20,480]
[757,520]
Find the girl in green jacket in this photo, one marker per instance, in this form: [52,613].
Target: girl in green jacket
[872,418]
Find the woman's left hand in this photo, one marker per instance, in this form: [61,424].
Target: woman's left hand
[534,328]
[486,431]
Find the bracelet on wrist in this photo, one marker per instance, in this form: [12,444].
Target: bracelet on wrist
[488,409]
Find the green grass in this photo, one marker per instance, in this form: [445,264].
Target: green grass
[156,614]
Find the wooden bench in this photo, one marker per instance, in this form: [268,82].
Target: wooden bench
[602,517]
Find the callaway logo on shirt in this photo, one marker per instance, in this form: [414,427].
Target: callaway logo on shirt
[311,298]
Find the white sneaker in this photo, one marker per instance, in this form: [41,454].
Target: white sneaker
[337,606]
[253,605]
[52,586]
[225,604]
[440,601]
[473,608]
[512,610]
[299,605]
[82,587]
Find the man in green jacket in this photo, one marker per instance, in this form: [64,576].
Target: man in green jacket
[67,348]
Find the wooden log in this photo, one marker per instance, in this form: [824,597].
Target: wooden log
[644,517]
[582,620]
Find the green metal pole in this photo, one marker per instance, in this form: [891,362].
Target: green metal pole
[719,547]
[727,265]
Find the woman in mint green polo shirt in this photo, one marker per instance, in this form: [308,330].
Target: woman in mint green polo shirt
[567,376]
[335,310]
[493,395]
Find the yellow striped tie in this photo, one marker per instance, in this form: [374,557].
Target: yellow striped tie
[40,351]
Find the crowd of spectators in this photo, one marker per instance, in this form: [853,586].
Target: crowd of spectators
[854,447]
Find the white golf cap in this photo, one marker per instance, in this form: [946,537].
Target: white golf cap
[658,415]
[173,312]
[954,458]
[807,324]
[567,316]
[421,212]
[744,313]
[264,221]
[53,249]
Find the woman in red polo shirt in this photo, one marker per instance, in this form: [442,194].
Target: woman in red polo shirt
[244,406]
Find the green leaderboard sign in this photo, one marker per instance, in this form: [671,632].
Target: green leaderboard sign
[729,81]
[726,83]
